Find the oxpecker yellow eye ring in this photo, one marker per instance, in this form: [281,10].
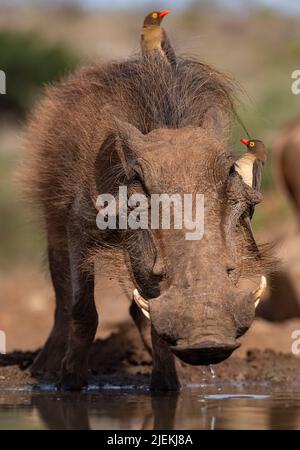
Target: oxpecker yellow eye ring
[155,15]
[252,144]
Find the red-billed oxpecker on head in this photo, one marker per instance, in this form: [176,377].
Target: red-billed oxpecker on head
[155,18]
[155,39]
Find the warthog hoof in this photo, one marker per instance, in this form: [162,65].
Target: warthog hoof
[47,363]
[72,381]
[164,382]
[74,374]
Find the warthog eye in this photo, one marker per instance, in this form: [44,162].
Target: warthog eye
[138,180]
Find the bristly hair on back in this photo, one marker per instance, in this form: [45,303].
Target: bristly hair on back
[151,94]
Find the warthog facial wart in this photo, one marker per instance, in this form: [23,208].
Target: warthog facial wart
[138,212]
[2,343]
[2,82]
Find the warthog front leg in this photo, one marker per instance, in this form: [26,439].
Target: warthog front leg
[48,362]
[164,372]
[83,322]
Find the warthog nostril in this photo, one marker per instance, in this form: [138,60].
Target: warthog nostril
[205,353]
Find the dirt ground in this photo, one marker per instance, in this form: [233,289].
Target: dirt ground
[120,360]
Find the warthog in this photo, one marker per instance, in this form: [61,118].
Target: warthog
[287,162]
[143,125]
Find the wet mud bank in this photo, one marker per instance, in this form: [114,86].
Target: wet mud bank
[120,360]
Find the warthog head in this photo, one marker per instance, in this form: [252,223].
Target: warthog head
[189,289]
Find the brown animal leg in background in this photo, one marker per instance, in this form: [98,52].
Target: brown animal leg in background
[48,361]
[164,372]
[143,325]
[83,322]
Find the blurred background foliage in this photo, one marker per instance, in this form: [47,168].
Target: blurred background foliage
[40,41]
[30,62]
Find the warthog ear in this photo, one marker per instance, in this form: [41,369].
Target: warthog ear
[127,144]
[118,151]
[215,121]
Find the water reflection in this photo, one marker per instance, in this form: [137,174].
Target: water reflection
[202,408]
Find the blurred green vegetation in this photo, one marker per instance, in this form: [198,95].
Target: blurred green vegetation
[30,62]
[268,217]
[21,239]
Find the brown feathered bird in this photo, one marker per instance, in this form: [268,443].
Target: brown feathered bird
[250,168]
[155,39]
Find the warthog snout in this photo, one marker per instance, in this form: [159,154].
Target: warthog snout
[201,329]
[206,352]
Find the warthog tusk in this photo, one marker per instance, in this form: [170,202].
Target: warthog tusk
[142,303]
[259,292]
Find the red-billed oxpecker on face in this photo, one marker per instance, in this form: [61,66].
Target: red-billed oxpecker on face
[155,39]
[250,166]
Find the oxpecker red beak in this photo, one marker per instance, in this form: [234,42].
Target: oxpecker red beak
[164,13]
[245,141]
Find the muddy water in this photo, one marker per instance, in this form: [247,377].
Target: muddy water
[198,408]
